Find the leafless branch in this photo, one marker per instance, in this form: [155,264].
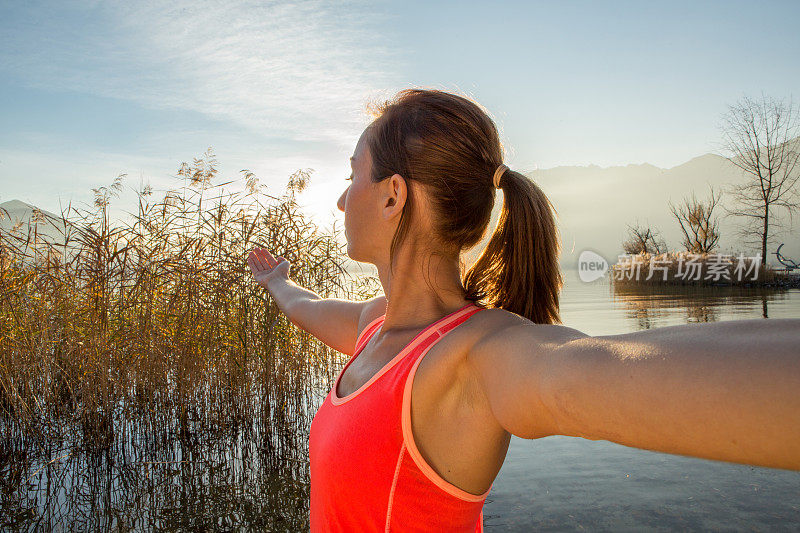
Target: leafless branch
[760,137]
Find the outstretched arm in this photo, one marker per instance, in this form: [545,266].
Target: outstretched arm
[727,391]
[334,321]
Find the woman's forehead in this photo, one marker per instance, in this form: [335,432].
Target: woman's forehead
[361,148]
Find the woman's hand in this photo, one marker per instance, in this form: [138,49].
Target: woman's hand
[266,268]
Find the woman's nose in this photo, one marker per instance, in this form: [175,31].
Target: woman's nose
[340,203]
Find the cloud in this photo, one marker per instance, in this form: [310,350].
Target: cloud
[298,70]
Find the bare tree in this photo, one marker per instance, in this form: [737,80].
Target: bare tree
[760,137]
[643,239]
[700,228]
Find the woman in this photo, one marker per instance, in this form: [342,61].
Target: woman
[482,353]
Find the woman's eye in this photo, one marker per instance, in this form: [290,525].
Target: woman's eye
[351,177]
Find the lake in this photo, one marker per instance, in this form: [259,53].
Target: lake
[573,484]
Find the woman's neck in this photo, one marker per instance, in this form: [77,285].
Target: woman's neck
[421,290]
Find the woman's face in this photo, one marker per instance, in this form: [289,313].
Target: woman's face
[359,204]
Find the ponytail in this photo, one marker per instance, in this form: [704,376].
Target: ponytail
[518,270]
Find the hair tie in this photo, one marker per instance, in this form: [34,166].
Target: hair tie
[498,174]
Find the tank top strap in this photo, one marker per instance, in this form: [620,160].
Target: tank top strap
[434,333]
[461,317]
[450,323]
[365,335]
[427,337]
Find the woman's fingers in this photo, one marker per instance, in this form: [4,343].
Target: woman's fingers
[269,257]
[262,263]
[263,259]
[253,262]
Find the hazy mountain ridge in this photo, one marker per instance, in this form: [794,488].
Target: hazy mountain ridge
[49,226]
[594,204]
[19,210]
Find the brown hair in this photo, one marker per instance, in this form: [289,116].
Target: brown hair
[449,145]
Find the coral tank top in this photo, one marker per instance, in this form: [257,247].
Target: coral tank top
[366,471]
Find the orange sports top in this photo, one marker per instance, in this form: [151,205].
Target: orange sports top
[366,471]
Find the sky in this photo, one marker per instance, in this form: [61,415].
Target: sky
[90,90]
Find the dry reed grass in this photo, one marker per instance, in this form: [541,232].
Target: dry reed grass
[130,338]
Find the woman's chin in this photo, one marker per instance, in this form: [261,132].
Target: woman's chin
[354,255]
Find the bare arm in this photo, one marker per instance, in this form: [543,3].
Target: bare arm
[334,321]
[728,391]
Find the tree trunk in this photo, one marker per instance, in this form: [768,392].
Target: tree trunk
[764,236]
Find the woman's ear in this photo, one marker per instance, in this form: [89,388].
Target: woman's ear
[395,194]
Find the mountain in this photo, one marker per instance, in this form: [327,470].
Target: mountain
[594,204]
[20,210]
[31,223]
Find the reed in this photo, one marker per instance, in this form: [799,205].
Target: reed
[132,339]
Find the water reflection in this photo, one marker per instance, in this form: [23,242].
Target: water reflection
[602,308]
[164,483]
[650,305]
[159,474]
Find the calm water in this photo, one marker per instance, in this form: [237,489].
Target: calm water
[573,484]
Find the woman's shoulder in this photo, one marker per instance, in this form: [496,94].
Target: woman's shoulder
[495,329]
[491,321]
[497,318]
[374,308]
[488,324]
